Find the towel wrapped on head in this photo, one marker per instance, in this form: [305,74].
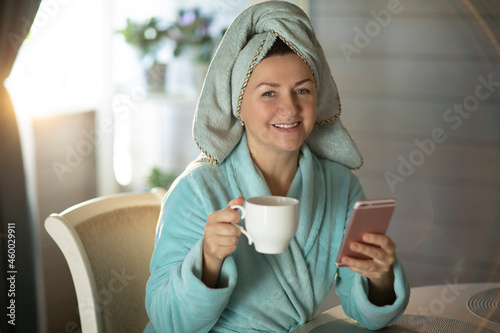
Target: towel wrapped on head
[217,128]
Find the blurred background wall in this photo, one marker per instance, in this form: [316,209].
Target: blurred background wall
[420,92]
[419,83]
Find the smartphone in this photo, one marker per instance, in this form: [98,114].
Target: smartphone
[368,216]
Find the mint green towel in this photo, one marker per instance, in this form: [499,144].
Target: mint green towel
[217,129]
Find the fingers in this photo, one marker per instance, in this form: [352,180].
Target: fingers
[219,225]
[371,269]
[381,250]
[375,252]
[221,237]
[238,201]
[224,216]
[382,241]
[375,246]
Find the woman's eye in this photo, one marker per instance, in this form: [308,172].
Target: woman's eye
[268,94]
[303,91]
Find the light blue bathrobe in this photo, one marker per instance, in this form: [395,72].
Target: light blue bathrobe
[258,292]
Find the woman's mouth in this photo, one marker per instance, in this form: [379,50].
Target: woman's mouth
[286,126]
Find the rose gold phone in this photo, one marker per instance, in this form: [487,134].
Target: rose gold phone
[368,216]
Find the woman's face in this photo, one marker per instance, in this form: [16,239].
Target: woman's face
[279,105]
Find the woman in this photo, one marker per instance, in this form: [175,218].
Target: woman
[268,124]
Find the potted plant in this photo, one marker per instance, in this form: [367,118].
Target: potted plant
[190,39]
[147,37]
[191,32]
[160,178]
[194,46]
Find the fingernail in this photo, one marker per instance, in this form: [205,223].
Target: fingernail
[366,238]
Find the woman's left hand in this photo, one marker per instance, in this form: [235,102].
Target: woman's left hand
[379,247]
[379,271]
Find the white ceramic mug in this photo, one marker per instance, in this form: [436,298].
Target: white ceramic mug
[271,222]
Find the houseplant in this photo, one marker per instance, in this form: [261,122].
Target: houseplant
[145,36]
[190,33]
[191,43]
[148,38]
[161,178]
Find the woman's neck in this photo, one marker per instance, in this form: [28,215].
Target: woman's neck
[278,170]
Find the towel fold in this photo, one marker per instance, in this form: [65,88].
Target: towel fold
[216,127]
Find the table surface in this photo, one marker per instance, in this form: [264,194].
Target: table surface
[448,300]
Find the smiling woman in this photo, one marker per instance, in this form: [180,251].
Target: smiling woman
[278,111]
[204,276]
[278,117]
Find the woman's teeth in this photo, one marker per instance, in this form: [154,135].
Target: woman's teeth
[286,126]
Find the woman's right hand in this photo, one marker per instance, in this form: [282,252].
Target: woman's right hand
[221,238]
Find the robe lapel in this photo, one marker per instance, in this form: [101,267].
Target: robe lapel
[292,268]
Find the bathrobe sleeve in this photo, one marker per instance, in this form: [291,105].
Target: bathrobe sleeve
[352,288]
[176,298]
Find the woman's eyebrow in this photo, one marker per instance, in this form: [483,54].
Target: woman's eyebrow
[275,85]
[271,84]
[298,83]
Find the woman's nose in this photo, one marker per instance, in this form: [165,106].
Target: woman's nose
[288,105]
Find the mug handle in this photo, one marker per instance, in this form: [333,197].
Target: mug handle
[243,231]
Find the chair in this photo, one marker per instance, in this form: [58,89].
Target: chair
[108,242]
